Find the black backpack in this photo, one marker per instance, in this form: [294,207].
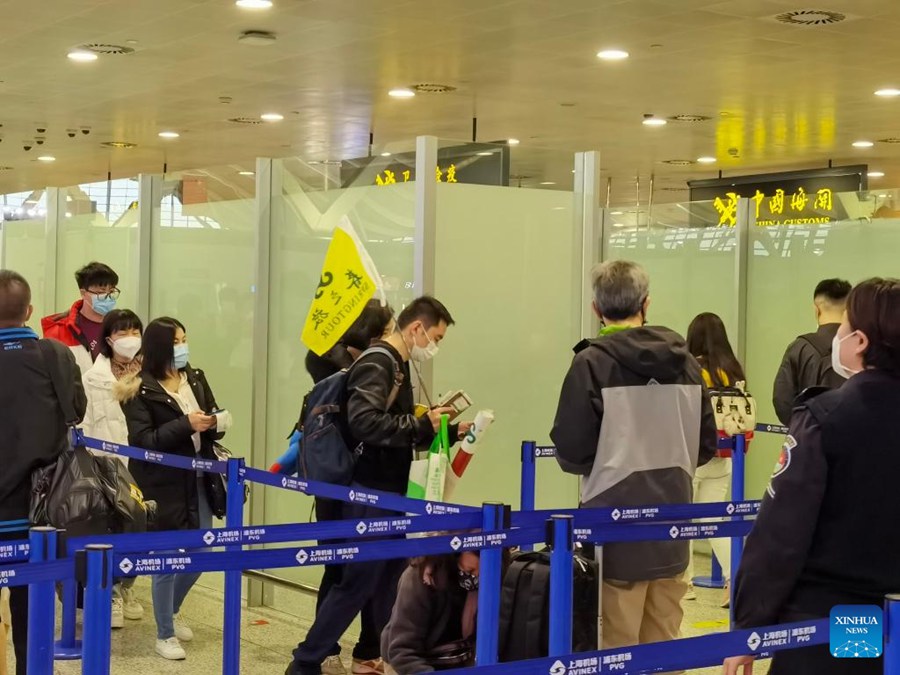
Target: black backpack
[826,376]
[525,606]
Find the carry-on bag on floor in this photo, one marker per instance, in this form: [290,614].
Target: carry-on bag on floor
[525,606]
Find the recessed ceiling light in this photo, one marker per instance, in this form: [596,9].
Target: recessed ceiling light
[872,174]
[168,134]
[385,154]
[246,173]
[863,144]
[618,224]
[271,117]
[487,153]
[888,92]
[254,4]
[615,213]
[512,141]
[706,160]
[612,54]
[651,121]
[401,93]
[82,55]
[46,158]
[548,182]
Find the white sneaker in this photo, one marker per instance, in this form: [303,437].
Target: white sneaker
[118,613]
[182,631]
[333,665]
[132,609]
[170,649]
[690,594]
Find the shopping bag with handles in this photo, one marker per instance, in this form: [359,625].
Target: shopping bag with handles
[428,477]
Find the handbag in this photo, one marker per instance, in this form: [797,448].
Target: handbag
[456,654]
[734,409]
[428,476]
[216,485]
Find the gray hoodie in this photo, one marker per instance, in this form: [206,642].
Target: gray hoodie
[634,420]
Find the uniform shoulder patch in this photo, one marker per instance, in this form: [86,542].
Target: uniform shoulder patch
[784,461]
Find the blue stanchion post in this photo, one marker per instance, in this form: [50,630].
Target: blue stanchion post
[561,535]
[738,456]
[892,634]
[234,518]
[93,567]
[67,648]
[529,478]
[489,573]
[41,605]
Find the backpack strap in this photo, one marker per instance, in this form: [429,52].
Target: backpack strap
[398,374]
[538,607]
[64,393]
[818,342]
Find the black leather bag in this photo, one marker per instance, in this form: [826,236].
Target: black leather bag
[456,654]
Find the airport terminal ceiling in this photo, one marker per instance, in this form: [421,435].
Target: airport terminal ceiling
[756,85]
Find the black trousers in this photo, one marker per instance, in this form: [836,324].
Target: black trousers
[369,644]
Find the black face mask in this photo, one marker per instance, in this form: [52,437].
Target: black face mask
[467,580]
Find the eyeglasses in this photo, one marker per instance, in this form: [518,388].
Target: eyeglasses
[107,295]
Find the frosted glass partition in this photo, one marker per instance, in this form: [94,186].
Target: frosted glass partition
[691,261]
[202,273]
[99,223]
[304,217]
[503,268]
[24,244]
[784,266]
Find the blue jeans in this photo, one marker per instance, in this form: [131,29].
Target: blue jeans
[170,590]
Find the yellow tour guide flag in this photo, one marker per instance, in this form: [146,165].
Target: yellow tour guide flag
[347,282]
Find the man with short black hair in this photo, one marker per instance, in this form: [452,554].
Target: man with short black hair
[634,421]
[32,422]
[81,327]
[807,361]
[382,423]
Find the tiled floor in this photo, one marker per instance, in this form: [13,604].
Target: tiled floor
[268,636]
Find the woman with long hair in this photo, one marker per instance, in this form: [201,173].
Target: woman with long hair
[707,340]
[170,407]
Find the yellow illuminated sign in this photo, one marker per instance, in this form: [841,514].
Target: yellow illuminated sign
[388,177]
[777,202]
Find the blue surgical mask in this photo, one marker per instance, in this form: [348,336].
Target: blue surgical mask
[102,306]
[181,356]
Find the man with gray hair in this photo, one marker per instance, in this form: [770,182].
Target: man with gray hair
[634,421]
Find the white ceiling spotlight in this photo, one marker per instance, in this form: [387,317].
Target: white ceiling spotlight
[871,174]
[385,154]
[706,160]
[168,134]
[653,121]
[612,55]
[254,4]
[271,117]
[82,55]
[888,92]
[246,173]
[46,158]
[513,141]
[401,92]
[863,144]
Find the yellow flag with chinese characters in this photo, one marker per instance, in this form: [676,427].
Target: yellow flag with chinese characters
[347,282]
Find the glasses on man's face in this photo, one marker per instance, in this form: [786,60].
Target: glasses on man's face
[103,294]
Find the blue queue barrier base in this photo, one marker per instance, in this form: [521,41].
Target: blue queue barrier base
[67,651]
[714,580]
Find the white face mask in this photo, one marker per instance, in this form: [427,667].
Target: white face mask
[127,347]
[836,364]
[422,354]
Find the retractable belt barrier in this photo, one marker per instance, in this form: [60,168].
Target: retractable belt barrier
[97,559]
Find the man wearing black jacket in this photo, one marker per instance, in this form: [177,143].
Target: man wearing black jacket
[381,419]
[807,361]
[34,427]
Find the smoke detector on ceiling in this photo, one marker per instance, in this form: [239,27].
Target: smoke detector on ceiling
[810,17]
[678,162]
[245,120]
[690,118]
[893,139]
[257,38]
[119,144]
